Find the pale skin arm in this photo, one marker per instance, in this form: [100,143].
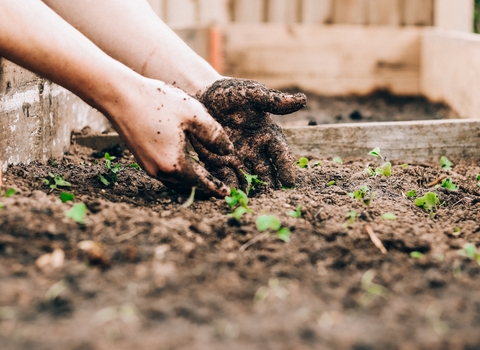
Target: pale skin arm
[152,117]
[129,31]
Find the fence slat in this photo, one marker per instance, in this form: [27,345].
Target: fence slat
[418,12]
[212,12]
[316,11]
[180,13]
[384,12]
[283,11]
[350,11]
[248,11]
[454,14]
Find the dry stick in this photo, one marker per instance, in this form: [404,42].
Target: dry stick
[437,181]
[252,241]
[378,243]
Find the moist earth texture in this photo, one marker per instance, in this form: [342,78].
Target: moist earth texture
[146,271]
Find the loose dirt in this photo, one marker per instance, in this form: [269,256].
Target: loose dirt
[170,277]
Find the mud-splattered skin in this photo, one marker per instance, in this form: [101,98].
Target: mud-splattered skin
[242,107]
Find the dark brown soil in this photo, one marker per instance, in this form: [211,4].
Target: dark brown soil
[173,278]
[378,107]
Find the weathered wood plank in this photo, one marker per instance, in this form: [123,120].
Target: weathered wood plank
[350,11]
[418,12]
[330,60]
[402,141]
[283,11]
[454,14]
[181,13]
[416,141]
[212,12]
[316,11]
[248,11]
[384,12]
[451,70]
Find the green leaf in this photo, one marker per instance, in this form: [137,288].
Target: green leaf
[428,202]
[351,216]
[478,180]
[469,250]
[416,255]
[136,166]
[411,193]
[297,213]
[331,183]
[77,213]
[65,197]
[10,192]
[2,205]
[302,162]
[389,216]
[317,164]
[239,212]
[445,163]
[457,231]
[288,188]
[237,197]
[117,168]
[404,166]
[375,152]
[338,160]
[59,181]
[284,234]
[449,185]
[252,182]
[265,222]
[369,171]
[108,157]
[385,169]
[103,179]
[46,182]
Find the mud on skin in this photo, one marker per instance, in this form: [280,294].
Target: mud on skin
[242,107]
[177,281]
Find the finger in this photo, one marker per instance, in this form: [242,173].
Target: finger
[279,152]
[263,169]
[210,134]
[277,102]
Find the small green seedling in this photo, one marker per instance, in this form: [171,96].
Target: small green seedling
[456,232]
[411,193]
[58,180]
[135,166]
[252,182]
[389,216]
[239,212]
[331,183]
[2,206]
[66,196]
[338,160]
[449,185]
[428,202]
[404,166]
[190,199]
[297,213]
[416,255]
[478,180]
[237,197]
[302,163]
[351,216]
[362,193]
[369,171]
[317,164]
[371,289]
[52,162]
[111,177]
[272,222]
[10,192]
[286,188]
[77,213]
[386,168]
[445,163]
[470,251]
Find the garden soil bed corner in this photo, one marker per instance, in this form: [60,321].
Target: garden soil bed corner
[168,277]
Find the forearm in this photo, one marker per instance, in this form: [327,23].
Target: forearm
[129,31]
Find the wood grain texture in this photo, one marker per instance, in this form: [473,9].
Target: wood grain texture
[384,12]
[454,14]
[418,12]
[283,11]
[417,141]
[331,60]
[316,11]
[248,11]
[350,11]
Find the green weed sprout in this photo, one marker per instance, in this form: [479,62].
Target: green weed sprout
[371,290]
[404,166]
[302,163]
[457,232]
[416,255]
[478,180]
[240,199]
[331,183]
[351,216]
[445,163]
[58,180]
[338,160]
[2,206]
[297,213]
[317,164]
[272,222]
[190,199]
[252,182]
[362,193]
[389,216]
[428,202]
[470,251]
[449,185]
[65,197]
[386,168]
[10,192]
[369,171]
[111,177]
[77,213]
[411,193]
[135,166]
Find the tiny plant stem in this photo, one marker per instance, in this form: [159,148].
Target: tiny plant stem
[436,181]
[190,199]
[253,241]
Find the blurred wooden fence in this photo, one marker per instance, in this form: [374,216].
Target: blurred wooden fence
[189,13]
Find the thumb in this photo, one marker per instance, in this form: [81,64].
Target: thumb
[210,134]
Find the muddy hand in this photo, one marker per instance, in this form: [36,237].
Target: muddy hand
[156,129]
[243,107]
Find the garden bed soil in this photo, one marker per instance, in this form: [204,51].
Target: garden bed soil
[169,277]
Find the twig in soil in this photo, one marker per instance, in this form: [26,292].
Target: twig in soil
[376,241]
[128,235]
[437,181]
[190,199]
[252,241]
